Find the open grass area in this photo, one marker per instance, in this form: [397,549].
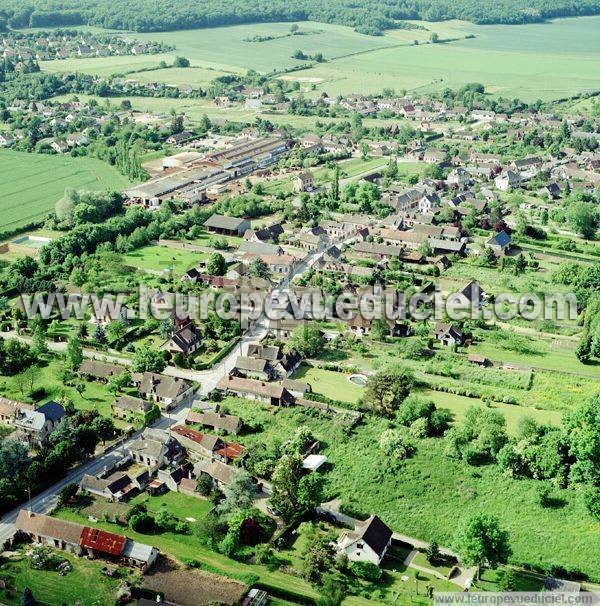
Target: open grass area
[95,396]
[427,495]
[459,405]
[84,585]
[230,48]
[162,258]
[334,385]
[106,66]
[547,61]
[32,183]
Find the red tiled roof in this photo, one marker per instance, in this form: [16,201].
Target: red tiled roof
[231,450]
[102,541]
[190,434]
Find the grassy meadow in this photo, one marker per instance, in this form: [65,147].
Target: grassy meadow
[33,183]
[428,494]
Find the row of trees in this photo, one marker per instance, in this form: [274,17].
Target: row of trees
[368,16]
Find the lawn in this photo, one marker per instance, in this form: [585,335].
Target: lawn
[33,183]
[95,396]
[155,259]
[85,585]
[334,385]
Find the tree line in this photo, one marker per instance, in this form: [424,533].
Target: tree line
[368,17]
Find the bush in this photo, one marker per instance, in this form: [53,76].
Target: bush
[366,571]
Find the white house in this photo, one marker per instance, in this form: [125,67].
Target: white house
[369,541]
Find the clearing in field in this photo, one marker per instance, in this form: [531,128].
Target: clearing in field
[32,183]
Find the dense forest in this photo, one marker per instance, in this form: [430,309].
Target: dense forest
[366,16]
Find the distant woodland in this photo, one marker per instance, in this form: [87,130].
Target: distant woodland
[365,16]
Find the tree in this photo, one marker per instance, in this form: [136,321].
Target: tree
[216,265]
[285,480]
[39,347]
[591,500]
[67,493]
[583,218]
[27,598]
[387,389]
[318,558]
[116,330]
[481,541]
[332,592]
[99,335]
[146,359]
[434,38]
[239,494]
[204,484]
[308,340]
[181,62]
[74,353]
[258,268]
[433,553]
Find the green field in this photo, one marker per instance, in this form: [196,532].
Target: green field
[105,66]
[547,61]
[50,588]
[227,48]
[427,495]
[543,60]
[32,183]
[161,258]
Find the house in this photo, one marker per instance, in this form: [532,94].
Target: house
[271,393]
[507,179]
[126,405]
[185,340]
[230,226]
[500,243]
[178,138]
[554,190]
[100,543]
[270,233]
[100,371]
[253,368]
[478,360]
[459,177]
[215,420]
[448,334]
[368,542]
[304,181]
[55,533]
[76,139]
[172,476]
[474,294]
[208,445]
[35,426]
[11,410]
[115,487]
[155,448]
[220,473]
[167,392]
[59,146]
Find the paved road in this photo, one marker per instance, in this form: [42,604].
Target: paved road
[46,501]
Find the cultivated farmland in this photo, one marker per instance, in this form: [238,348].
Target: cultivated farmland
[32,183]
